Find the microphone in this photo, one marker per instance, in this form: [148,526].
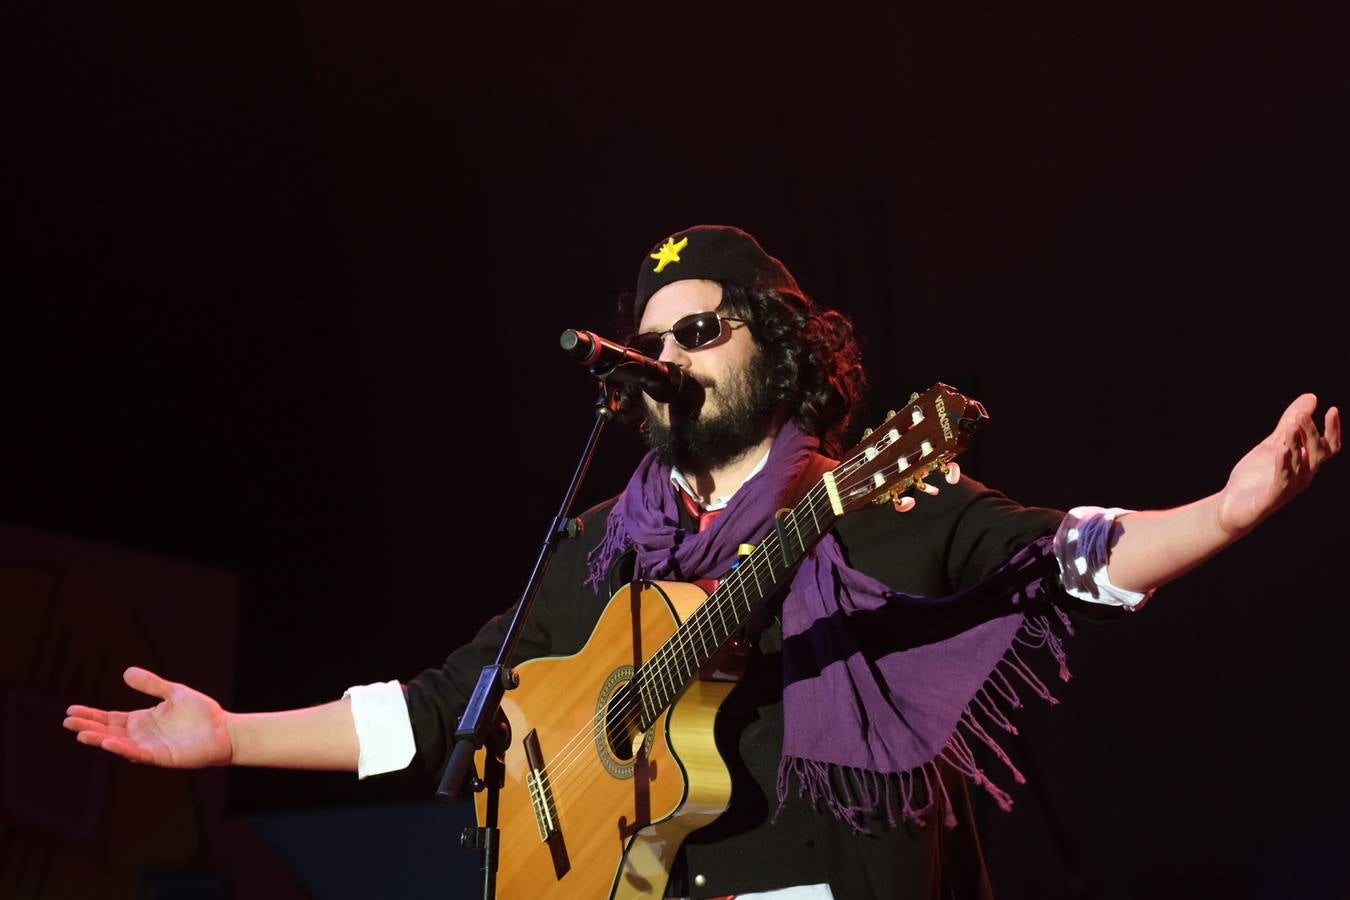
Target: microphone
[613,362]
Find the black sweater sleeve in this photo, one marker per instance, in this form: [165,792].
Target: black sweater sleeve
[952,541]
[564,613]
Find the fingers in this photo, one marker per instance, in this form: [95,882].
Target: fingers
[1322,447]
[79,723]
[1303,405]
[119,746]
[147,682]
[88,712]
[1311,447]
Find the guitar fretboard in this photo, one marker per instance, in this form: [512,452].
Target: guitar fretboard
[663,676]
[911,444]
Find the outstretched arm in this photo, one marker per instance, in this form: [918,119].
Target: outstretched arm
[189,730]
[1155,546]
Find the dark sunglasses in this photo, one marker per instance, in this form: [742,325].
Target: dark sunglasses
[691,332]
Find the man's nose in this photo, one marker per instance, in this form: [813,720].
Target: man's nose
[672,352]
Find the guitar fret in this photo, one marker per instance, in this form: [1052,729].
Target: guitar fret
[644,691]
[745,596]
[642,698]
[797,527]
[679,666]
[671,664]
[769,557]
[656,664]
[685,654]
[690,657]
[679,669]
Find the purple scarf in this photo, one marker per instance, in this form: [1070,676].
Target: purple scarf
[858,715]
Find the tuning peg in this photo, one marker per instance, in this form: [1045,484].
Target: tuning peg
[890,414]
[914,396]
[921,485]
[867,433]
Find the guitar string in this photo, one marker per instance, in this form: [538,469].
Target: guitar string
[660,665]
[630,705]
[682,639]
[565,781]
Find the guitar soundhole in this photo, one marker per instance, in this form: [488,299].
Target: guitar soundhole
[620,741]
[621,723]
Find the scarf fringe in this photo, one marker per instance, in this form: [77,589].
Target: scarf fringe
[854,795]
[616,541]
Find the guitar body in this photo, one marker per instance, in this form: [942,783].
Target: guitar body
[605,778]
[590,810]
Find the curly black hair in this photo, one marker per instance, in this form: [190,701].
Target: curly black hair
[814,364]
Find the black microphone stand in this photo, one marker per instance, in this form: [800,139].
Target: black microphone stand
[483,724]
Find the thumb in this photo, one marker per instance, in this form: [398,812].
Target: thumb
[1304,404]
[147,682]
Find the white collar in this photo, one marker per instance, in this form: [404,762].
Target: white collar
[677,478]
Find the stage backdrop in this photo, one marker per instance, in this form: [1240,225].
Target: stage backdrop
[283,285]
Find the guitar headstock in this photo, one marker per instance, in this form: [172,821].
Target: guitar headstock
[920,439]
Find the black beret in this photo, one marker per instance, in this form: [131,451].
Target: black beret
[715,252]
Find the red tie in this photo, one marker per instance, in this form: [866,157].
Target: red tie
[705,518]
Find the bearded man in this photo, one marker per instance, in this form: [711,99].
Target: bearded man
[869,685]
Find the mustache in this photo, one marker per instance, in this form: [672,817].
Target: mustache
[691,396]
[687,403]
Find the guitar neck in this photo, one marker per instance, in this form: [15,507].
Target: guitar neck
[909,445]
[756,578]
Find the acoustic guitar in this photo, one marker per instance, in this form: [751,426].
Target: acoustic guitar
[612,762]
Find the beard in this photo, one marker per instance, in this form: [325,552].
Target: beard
[697,441]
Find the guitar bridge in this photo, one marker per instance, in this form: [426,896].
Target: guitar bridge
[541,793]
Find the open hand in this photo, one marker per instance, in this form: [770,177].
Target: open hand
[1280,467]
[187,730]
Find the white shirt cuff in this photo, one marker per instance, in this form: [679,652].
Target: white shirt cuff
[383,728]
[805,892]
[1082,548]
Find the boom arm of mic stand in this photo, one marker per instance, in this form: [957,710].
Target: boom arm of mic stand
[496,679]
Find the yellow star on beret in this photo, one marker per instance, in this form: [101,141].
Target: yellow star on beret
[669,252]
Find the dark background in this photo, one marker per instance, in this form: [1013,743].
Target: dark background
[282,286]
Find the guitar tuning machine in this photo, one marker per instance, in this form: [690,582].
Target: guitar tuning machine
[914,396]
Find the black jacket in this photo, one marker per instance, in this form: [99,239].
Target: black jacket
[946,543]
